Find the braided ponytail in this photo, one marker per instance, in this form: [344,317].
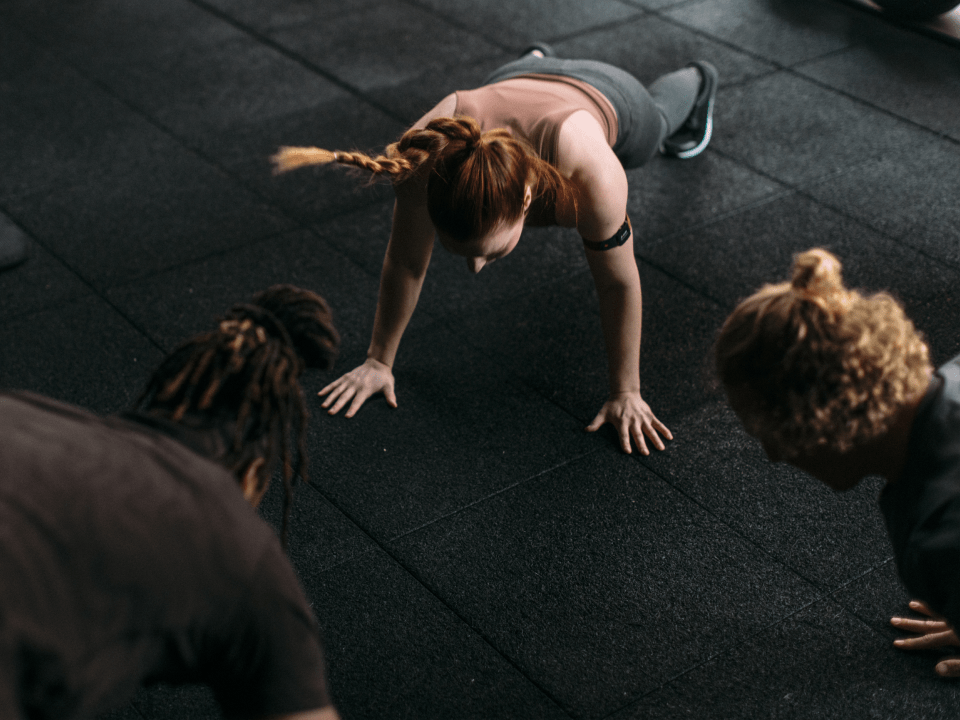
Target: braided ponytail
[824,366]
[242,380]
[478,178]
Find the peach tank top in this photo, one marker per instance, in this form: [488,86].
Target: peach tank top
[534,107]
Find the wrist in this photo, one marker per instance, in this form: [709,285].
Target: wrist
[379,364]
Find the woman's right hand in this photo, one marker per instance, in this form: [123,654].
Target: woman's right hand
[359,384]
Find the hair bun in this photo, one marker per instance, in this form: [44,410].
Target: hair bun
[817,271]
[306,319]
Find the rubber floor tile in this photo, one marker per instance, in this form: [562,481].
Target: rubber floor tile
[821,662]
[263,18]
[463,430]
[82,352]
[780,31]
[651,46]
[599,581]
[919,82]
[178,303]
[40,282]
[735,256]
[519,23]
[394,650]
[352,47]
[826,537]
[795,131]
[907,194]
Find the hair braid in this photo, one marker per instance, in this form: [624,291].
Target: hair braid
[242,380]
[477,179]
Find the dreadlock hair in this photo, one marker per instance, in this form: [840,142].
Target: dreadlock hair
[242,379]
[823,366]
[477,178]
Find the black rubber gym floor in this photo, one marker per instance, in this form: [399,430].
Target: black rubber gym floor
[474,553]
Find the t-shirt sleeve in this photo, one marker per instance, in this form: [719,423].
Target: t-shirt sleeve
[274,662]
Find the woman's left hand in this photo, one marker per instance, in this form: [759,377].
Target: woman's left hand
[933,633]
[632,417]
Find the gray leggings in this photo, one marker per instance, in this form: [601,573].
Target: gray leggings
[644,119]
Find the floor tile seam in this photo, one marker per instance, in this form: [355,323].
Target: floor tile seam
[59,304]
[182,264]
[224,252]
[528,290]
[797,71]
[385,548]
[897,239]
[719,653]
[639,14]
[172,135]
[453,22]
[497,41]
[304,62]
[785,191]
[773,559]
[94,291]
[507,488]
[850,611]
[675,5]
[134,703]
[795,186]
[916,27]
[663,14]
[521,382]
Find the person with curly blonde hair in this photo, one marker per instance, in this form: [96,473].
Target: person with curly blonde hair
[544,141]
[839,384]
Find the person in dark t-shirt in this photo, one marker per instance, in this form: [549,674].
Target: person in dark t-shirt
[130,552]
[840,385]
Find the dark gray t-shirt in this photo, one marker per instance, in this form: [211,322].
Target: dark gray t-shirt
[922,509]
[126,557]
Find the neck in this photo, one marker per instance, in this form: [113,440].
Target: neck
[886,455]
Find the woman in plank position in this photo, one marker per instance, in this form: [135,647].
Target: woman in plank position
[544,141]
[840,385]
[131,552]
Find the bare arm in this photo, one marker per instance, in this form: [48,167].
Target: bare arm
[404,268]
[595,170]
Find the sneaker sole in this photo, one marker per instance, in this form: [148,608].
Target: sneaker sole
[708,130]
[693,152]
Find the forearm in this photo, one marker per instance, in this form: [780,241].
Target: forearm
[399,292]
[620,316]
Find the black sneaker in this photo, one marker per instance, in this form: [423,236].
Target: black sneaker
[547,50]
[694,135]
[13,244]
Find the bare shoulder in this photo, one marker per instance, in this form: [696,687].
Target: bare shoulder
[444,108]
[585,158]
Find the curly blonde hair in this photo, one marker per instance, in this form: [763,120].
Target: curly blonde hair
[477,178]
[822,366]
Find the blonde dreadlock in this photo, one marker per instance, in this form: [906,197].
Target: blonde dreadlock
[243,379]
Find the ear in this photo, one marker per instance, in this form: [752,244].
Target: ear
[253,484]
[527,198]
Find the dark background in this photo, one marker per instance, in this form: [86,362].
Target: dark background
[474,553]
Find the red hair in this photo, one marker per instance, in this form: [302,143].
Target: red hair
[477,179]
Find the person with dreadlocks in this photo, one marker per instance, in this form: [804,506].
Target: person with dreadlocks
[130,550]
[544,141]
[840,385]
